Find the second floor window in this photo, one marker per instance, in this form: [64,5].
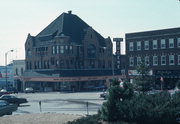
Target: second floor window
[138,45]
[178,42]
[147,60]
[154,44]
[171,59]
[131,61]
[178,59]
[171,43]
[138,60]
[155,60]
[163,60]
[131,46]
[163,44]
[146,46]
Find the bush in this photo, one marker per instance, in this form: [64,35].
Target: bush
[122,105]
[92,119]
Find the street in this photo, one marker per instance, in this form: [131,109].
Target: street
[67,103]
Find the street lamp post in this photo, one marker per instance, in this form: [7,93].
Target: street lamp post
[6,64]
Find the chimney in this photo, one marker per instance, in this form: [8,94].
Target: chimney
[69,12]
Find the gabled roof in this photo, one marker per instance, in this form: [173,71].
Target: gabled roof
[69,25]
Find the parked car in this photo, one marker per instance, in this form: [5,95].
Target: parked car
[3,91]
[12,90]
[104,94]
[6,108]
[13,99]
[29,90]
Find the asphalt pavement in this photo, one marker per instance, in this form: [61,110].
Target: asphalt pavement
[67,103]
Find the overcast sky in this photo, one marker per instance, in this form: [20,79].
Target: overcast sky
[111,18]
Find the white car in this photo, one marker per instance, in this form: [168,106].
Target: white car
[29,90]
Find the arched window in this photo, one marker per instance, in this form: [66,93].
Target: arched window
[91,51]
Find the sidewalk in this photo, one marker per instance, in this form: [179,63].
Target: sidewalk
[38,118]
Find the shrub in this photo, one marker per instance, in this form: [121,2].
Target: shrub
[91,119]
[116,94]
[122,105]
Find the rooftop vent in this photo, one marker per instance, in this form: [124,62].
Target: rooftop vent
[70,12]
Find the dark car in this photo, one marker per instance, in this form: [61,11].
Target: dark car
[6,108]
[13,99]
[12,90]
[104,94]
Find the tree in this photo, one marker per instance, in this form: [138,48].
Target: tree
[178,84]
[109,110]
[143,81]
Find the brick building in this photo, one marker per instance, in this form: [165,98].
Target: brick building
[68,52]
[159,49]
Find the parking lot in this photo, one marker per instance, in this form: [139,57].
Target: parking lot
[68,103]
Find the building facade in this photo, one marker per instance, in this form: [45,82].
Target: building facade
[9,78]
[18,70]
[158,49]
[67,45]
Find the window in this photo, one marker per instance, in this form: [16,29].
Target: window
[147,60]
[17,71]
[70,47]
[91,51]
[138,60]
[131,46]
[178,59]
[171,43]
[53,50]
[57,62]
[163,44]
[66,47]
[146,46]
[139,45]
[163,60]
[57,49]
[61,49]
[155,60]
[154,44]
[171,59]
[62,63]
[131,61]
[178,42]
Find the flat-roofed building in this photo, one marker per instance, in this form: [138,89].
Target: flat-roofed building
[158,49]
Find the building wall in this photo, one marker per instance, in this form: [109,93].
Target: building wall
[163,57]
[10,76]
[61,53]
[18,67]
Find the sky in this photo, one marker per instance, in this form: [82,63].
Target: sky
[111,18]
